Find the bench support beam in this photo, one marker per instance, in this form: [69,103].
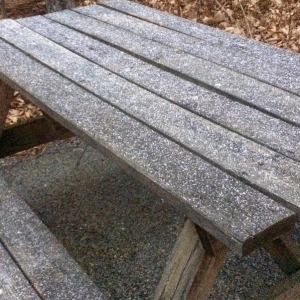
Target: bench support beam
[285,252]
[193,266]
[31,133]
[6,95]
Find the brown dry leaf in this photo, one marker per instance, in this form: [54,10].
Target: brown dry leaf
[219,17]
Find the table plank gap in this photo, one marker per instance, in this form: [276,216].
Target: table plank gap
[235,60]
[287,60]
[277,135]
[241,88]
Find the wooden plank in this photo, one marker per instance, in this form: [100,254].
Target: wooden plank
[239,87]
[53,273]
[277,135]
[285,252]
[286,60]
[263,169]
[31,133]
[235,60]
[288,289]
[209,268]
[191,271]
[236,214]
[13,284]
[6,95]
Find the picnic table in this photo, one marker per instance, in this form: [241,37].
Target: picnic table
[208,120]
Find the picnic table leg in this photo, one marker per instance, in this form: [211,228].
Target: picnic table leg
[193,266]
[285,252]
[6,95]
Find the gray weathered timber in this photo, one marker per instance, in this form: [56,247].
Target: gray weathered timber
[277,135]
[277,175]
[239,87]
[286,60]
[231,211]
[57,5]
[191,270]
[6,94]
[230,58]
[53,273]
[13,284]
[182,265]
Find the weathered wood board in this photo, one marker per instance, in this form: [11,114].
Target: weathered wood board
[52,272]
[277,134]
[173,171]
[13,283]
[274,174]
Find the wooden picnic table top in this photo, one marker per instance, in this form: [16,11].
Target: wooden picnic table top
[209,120]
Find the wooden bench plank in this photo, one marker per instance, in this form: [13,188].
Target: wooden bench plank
[13,284]
[266,170]
[277,135]
[237,86]
[238,215]
[286,60]
[53,273]
[229,58]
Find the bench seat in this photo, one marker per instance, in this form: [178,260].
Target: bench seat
[33,264]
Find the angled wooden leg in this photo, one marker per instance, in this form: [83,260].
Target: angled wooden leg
[6,95]
[193,266]
[285,252]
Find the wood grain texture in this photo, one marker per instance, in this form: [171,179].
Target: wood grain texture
[286,60]
[230,58]
[239,87]
[261,168]
[50,269]
[285,252]
[214,200]
[208,271]
[182,265]
[244,120]
[31,133]
[13,284]
[191,270]
[6,94]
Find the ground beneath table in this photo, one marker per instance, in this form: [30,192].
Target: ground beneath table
[119,231]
